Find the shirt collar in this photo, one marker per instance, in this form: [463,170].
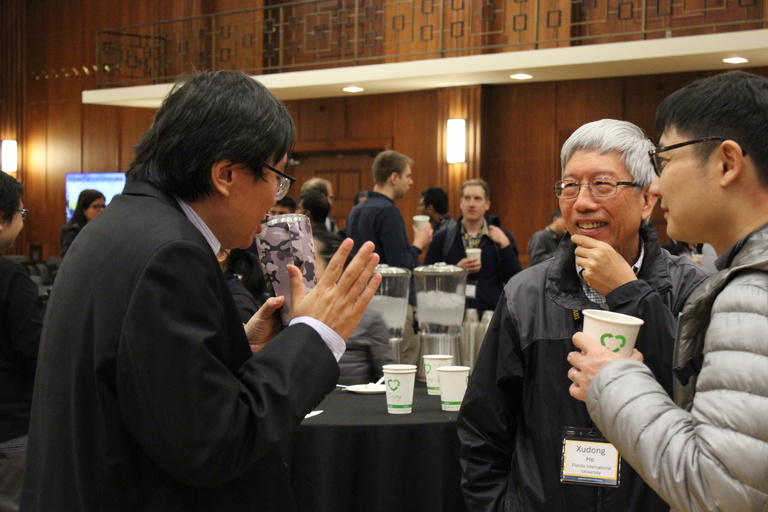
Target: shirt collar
[195,219]
[592,294]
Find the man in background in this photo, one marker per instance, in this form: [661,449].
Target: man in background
[378,220]
[517,413]
[326,187]
[706,450]
[284,205]
[151,394]
[498,262]
[543,244]
[434,203]
[21,320]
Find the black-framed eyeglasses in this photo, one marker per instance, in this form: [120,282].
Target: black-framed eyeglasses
[283,183]
[598,187]
[658,162]
[24,212]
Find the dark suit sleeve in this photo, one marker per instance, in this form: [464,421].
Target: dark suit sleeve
[435,250]
[23,317]
[195,417]
[510,259]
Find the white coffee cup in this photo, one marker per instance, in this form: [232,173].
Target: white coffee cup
[398,381]
[453,385]
[431,364]
[474,253]
[615,331]
[421,221]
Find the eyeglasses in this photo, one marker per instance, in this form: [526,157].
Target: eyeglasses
[658,162]
[284,182]
[24,213]
[598,187]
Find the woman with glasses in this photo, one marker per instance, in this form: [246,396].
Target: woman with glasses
[89,205]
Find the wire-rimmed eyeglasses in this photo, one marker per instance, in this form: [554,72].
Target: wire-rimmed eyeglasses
[24,213]
[658,162]
[598,187]
[284,182]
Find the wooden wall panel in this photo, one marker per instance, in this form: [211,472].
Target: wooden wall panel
[133,122]
[322,119]
[415,135]
[100,125]
[520,157]
[370,117]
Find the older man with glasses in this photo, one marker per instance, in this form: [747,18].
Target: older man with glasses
[706,450]
[517,414]
[152,394]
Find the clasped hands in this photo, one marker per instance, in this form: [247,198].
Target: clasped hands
[338,300]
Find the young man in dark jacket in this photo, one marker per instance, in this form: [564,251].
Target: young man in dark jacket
[499,260]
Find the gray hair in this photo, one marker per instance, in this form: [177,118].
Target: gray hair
[607,135]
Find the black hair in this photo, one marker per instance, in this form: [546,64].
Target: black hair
[213,116]
[363,194]
[555,214]
[288,202]
[10,196]
[437,197]
[316,204]
[731,105]
[84,201]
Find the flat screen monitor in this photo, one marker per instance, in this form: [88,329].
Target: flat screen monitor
[108,183]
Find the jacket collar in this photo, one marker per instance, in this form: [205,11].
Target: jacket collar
[144,188]
[564,286]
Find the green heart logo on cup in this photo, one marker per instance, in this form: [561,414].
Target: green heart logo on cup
[620,338]
[393,384]
[428,367]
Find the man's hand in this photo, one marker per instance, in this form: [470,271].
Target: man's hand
[264,324]
[471,264]
[588,362]
[604,268]
[422,237]
[498,236]
[341,296]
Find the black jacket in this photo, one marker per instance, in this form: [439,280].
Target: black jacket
[21,321]
[517,402]
[147,397]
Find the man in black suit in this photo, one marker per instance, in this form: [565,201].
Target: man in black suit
[148,396]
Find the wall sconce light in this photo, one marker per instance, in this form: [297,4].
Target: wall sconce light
[10,156]
[456,141]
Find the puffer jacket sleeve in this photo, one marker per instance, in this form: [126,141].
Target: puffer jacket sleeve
[714,457]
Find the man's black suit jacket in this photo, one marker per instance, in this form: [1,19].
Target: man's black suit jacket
[147,396]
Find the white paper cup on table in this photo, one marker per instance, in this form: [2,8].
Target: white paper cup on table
[421,221]
[399,380]
[474,253]
[615,331]
[453,385]
[286,240]
[431,364]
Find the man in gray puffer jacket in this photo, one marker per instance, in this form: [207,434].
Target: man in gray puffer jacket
[707,450]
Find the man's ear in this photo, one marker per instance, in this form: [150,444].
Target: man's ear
[649,201]
[393,178]
[222,177]
[731,162]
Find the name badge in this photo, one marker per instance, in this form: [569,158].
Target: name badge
[470,290]
[588,458]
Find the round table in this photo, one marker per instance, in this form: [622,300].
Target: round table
[355,456]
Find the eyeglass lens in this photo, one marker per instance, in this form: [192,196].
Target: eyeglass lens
[598,187]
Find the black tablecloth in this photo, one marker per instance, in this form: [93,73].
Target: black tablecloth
[356,457]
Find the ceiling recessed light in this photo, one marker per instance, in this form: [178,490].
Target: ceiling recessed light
[735,60]
[353,89]
[521,76]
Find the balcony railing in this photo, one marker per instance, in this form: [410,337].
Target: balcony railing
[338,33]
